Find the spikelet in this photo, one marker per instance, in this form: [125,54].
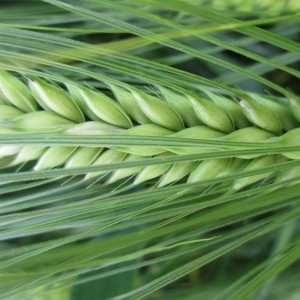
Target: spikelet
[54,156]
[8,112]
[151,172]
[103,107]
[232,109]
[176,172]
[261,116]
[291,138]
[128,102]
[41,121]
[108,156]
[158,111]
[256,164]
[16,93]
[55,99]
[182,106]
[83,156]
[125,172]
[209,169]
[211,114]
[149,130]
[197,132]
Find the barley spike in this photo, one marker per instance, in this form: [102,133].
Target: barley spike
[78,110]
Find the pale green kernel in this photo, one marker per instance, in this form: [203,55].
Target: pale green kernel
[182,105]
[286,117]
[196,132]
[145,130]
[211,114]
[256,164]
[294,104]
[105,108]
[83,156]
[53,98]
[4,130]
[54,156]
[126,172]
[8,112]
[75,94]
[288,174]
[209,169]
[248,135]
[2,99]
[9,150]
[129,104]
[28,153]
[94,128]
[289,139]
[176,172]
[232,109]
[41,121]
[6,162]
[261,116]
[107,157]
[158,111]
[16,92]
[150,172]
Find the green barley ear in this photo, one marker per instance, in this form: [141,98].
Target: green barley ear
[103,107]
[145,130]
[260,115]
[8,112]
[40,121]
[53,98]
[128,102]
[53,157]
[211,114]
[158,111]
[232,109]
[182,105]
[16,92]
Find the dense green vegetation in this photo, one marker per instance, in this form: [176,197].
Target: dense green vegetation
[149,149]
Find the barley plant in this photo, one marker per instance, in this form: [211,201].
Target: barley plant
[149,149]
